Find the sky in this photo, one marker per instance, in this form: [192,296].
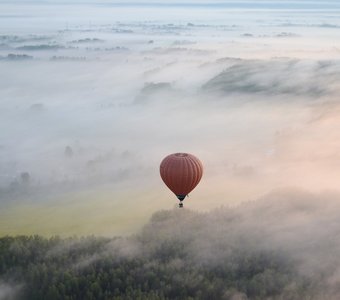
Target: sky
[93,95]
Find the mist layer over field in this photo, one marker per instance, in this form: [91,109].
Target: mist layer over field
[94,95]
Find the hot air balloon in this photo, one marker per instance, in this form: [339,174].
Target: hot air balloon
[181,172]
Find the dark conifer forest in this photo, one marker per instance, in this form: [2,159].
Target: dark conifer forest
[40,272]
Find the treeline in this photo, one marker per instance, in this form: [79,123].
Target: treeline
[151,265]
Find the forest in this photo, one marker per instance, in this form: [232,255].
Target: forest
[178,254]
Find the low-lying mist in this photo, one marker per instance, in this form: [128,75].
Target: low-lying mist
[282,246]
[94,96]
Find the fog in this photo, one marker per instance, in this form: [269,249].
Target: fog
[291,226]
[8,291]
[94,95]
[283,245]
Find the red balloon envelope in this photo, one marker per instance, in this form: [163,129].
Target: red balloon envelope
[181,172]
